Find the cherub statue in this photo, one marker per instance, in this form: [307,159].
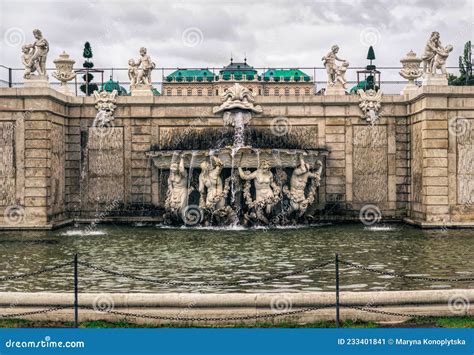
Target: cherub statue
[132,72]
[440,59]
[341,73]
[27,60]
[329,62]
[41,49]
[147,65]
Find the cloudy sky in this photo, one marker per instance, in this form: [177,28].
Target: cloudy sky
[277,33]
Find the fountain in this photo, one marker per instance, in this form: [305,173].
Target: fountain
[239,183]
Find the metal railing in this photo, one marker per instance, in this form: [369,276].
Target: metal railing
[312,267]
[391,82]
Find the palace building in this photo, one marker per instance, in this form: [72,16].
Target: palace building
[271,82]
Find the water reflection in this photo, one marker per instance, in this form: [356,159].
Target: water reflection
[216,255]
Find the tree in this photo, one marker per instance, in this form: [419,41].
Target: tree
[466,76]
[88,87]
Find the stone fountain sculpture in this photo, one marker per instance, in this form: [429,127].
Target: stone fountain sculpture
[267,193]
[370,103]
[177,194]
[139,73]
[105,103]
[213,192]
[238,105]
[34,59]
[64,72]
[434,60]
[336,82]
[299,201]
[238,183]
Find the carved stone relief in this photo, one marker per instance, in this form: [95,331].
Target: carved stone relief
[370,164]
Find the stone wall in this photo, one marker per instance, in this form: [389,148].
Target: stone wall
[55,168]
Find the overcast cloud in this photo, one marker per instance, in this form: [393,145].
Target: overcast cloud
[205,33]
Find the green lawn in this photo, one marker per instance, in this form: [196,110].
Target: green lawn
[444,322]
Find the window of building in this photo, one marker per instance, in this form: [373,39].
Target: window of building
[297,91]
[209,92]
[277,91]
[189,92]
[168,92]
[287,91]
[266,92]
[306,91]
[199,92]
[179,92]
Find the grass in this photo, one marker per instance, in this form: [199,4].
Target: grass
[442,322]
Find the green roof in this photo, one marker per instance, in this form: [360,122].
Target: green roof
[111,85]
[191,75]
[238,70]
[286,74]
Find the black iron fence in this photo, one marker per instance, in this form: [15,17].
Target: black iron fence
[76,263]
[391,82]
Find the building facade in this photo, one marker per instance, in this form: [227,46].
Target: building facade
[271,82]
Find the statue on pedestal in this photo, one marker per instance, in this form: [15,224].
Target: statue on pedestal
[434,59]
[139,74]
[336,82]
[34,59]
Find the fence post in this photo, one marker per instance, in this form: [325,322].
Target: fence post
[76,303]
[10,77]
[337,290]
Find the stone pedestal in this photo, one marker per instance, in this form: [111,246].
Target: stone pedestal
[410,89]
[435,80]
[336,89]
[64,89]
[141,90]
[37,81]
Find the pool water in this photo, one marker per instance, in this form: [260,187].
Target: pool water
[229,255]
